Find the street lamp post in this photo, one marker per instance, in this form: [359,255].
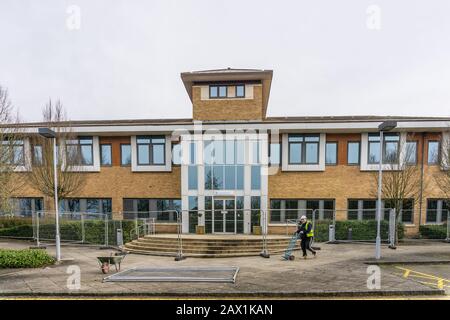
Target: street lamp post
[50,134]
[384,126]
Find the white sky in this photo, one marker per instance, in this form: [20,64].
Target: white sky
[124,61]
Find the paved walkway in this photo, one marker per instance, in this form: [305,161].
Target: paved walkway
[338,268]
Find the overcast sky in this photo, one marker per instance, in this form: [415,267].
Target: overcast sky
[122,61]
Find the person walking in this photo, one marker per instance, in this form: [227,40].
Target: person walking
[305,233]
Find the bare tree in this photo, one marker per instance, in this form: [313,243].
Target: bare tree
[11,152]
[69,175]
[443,178]
[401,179]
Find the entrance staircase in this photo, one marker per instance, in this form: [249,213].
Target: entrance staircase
[207,246]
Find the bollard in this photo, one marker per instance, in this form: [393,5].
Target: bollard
[349,235]
[331,233]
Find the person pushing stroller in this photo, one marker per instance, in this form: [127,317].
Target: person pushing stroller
[305,233]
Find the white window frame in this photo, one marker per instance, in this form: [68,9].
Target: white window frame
[302,167]
[151,168]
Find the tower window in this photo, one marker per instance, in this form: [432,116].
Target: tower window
[218,91]
[240,91]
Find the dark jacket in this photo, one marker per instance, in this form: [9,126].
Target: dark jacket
[304,229]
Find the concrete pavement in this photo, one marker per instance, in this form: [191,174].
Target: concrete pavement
[339,269]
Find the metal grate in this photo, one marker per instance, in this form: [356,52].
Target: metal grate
[176,274]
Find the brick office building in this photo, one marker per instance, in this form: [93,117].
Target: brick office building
[230,159]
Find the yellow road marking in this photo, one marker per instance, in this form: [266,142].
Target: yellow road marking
[416,274]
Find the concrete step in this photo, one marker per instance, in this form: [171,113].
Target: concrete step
[205,246]
[203,255]
[221,249]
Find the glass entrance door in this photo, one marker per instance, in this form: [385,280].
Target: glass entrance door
[224,215]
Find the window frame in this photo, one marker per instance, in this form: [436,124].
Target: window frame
[336,155]
[218,86]
[438,159]
[303,145]
[415,142]
[101,155]
[121,155]
[79,154]
[359,153]
[235,90]
[385,142]
[151,145]
[33,155]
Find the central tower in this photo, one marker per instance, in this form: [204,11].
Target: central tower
[228,94]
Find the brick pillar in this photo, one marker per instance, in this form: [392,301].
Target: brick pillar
[117,208]
[341,208]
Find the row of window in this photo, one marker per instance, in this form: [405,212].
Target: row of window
[303,149]
[281,210]
[223,91]
[390,151]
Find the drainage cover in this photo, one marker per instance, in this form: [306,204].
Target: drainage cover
[176,274]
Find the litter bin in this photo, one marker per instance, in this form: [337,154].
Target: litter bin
[119,237]
[331,233]
[349,235]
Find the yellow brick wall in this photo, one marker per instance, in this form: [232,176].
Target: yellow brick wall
[119,182]
[344,182]
[228,109]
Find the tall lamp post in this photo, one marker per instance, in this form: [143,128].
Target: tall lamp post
[50,134]
[384,126]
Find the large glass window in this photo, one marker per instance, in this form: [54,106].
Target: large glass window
[176,154]
[303,149]
[390,148]
[86,205]
[331,153]
[433,152]
[193,213]
[274,154]
[38,158]
[366,209]
[353,153]
[25,207]
[411,152]
[374,148]
[283,210]
[192,177]
[80,151]
[105,155]
[437,210]
[15,153]
[125,154]
[223,169]
[151,150]
[256,177]
[164,210]
[255,217]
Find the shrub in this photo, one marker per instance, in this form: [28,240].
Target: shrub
[433,231]
[94,231]
[361,230]
[13,222]
[28,258]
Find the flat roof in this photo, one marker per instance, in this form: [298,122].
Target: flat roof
[306,119]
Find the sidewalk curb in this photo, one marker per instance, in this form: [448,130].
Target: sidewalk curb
[243,295]
[407,262]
